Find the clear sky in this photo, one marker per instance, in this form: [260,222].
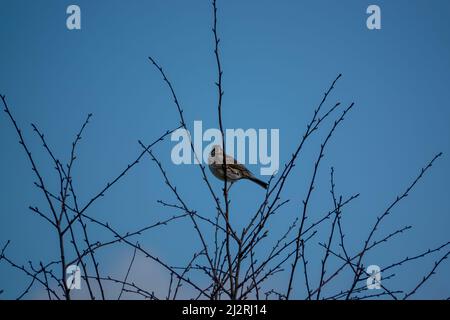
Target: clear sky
[278,59]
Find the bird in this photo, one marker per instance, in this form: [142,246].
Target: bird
[235,170]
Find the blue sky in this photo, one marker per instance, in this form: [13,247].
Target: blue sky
[278,59]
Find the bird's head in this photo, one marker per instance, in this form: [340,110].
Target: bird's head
[216,152]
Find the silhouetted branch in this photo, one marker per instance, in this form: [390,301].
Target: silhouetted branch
[386,213]
[128,273]
[427,276]
[306,201]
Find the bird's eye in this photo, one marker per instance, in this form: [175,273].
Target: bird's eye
[213,153]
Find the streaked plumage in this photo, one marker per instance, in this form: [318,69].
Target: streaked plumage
[235,170]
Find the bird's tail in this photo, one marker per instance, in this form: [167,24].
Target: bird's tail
[259,182]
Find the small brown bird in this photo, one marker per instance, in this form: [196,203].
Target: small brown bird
[235,170]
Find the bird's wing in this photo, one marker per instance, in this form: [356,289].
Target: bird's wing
[244,172]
